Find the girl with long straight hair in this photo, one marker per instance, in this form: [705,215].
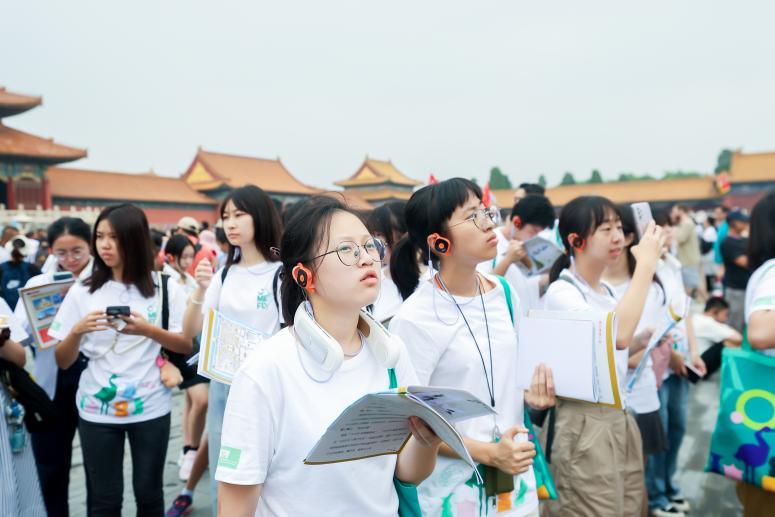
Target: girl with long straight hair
[384,224]
[69,239]
[284,397]
[597,461]
[116,318]
[245,289]
[460,333]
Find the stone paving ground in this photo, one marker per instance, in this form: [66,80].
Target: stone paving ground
[710,494]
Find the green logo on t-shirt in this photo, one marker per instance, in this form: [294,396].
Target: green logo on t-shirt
[764,300]
[229,457]
[262,300]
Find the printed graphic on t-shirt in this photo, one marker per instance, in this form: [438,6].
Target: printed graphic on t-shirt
[262,300]
[105,403]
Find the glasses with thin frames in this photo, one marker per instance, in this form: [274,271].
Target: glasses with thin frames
[349,252]
[75,254]
[480,218]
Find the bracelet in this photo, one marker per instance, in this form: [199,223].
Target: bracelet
[195,302]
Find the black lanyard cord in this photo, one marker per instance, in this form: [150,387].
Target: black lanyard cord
[489,379]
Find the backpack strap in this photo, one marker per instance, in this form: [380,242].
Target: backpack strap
[392,378]
[507,292]
[165,304]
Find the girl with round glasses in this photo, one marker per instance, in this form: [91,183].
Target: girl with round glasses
[460,333]
[283,398]
[69,239]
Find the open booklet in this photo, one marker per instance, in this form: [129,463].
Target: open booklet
[578,347]
[376,424]
[41,304]
[542,252]
[224,345]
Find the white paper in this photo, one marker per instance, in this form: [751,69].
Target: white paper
[543,253]
[604,344]
[565,346]
[41,305]
[225,343]
[377,424]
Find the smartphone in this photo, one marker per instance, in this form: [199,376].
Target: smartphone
[114,313]
[642,214]
[692,373]
[62,275]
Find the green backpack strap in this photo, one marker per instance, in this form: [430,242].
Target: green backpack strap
[507,290]
[392,378]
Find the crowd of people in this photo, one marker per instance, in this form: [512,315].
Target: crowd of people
[450,278]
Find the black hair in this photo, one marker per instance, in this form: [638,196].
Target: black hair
[131,228]
[662,218]
[534,209]
[267,228]
[716,303]
[761,240]
[220,235]
[74,226]
[157,238]
[383,221]
[427,212]
[581,216]
[398,208]
[304,233]
[176,245]
[629,227]
[532,188]
[723,208]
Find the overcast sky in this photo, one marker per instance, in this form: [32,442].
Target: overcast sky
[444,86]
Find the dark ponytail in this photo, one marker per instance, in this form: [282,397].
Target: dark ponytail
[427,212]
[307,227]
[581,216]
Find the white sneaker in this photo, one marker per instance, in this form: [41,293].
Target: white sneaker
[667,511]
[681,503]
[186,465]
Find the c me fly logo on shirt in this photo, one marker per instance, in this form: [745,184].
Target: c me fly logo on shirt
[152,312]
[229,457]
[262,300]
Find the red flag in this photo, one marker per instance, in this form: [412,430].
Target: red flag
[486,197]
[432,179]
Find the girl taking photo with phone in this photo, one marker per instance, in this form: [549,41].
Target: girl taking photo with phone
[284,397]
[597,461]
[459,329]
[120,393]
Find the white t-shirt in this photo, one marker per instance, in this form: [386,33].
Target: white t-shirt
[644,397]
[444,354]
[276,413]
[568,293]
[247,296]
[389,299]
[708,331]
[760,294]
[669,273]
[121,383]
[527,289]
[18,333]
[45,369]
[188,284]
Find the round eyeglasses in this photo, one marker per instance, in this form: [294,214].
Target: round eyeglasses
[480,218]
[75,254]
[349,252]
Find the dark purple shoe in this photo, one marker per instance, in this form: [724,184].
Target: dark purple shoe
[182,505]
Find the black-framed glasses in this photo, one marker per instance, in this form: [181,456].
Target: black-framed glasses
[480,218]
[349,252]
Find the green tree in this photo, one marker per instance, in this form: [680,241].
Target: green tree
[669,175]
[596,177]
[629,176]
[498,180]
[724,161]
[542,180]
[568,179]
[475,180]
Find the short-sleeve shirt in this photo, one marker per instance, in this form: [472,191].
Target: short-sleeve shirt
[276,413]
[121,383]
[708,331]
[760,294]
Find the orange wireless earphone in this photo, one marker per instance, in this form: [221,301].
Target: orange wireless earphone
[576,241]
[303,277]
[441,245]
[517,222]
